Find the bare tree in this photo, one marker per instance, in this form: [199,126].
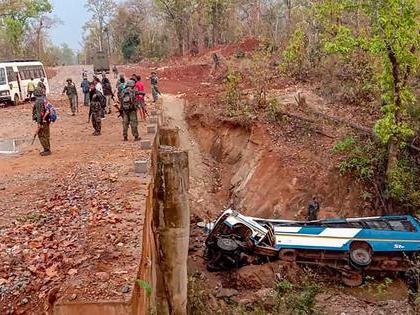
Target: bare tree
[102,11]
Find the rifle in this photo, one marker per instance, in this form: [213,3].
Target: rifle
[36,134]
[90,114]
[119,109]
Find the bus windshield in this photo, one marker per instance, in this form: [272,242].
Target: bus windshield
[2,76]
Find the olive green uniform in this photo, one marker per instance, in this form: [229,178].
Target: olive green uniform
[96,114]
[129,113]
[71,92]
[44,127]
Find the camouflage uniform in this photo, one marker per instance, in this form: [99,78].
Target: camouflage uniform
[71,92]
[313,209]
[38,112]
[155,89]
[42,87]
[129,111]
[96,113]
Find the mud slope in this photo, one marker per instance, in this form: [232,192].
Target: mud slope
[263,178]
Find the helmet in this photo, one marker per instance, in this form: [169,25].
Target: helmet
[131,83]
[69,80]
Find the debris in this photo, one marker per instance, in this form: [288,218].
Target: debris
[102,276]
[226,292]
[126,289]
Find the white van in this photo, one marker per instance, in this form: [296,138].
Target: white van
[15,76]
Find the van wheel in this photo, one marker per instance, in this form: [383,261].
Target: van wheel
[16,100]
[360,254]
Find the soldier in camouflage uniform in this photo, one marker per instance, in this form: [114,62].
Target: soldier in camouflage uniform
[38,115]
[154,84]
[129,111]
[95,110]
[71,92]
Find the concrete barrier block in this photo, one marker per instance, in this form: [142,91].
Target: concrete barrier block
[153,119]
[141,166]
[145,144]
[151,129]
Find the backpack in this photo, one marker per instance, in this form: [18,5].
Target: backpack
[127,101]
[52,112]
[102,99]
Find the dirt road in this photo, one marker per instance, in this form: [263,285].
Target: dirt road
[71,221]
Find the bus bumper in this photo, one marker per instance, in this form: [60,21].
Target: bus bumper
[5,98]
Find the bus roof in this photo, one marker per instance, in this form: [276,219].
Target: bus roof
[18,60]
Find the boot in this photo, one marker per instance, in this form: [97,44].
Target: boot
[45,153]
[125,139]
[137,139]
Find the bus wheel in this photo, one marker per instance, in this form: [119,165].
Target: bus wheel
[16,100]
[352,279]
[288,255]
[360,254]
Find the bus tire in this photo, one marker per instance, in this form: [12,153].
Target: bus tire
[16,100]
[352,279]
[360,254]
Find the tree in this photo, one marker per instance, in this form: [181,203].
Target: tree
[17,16]
[178,12]
[391,34]
[102,11]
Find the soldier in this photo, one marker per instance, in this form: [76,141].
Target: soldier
[139,88]
[154,84]
[43,125]
[128,109]
[85,89]
[115,71]
[108,93]
[121,85]
[313,209]
[42,86]
[71,92]
[95,110]
[31,88]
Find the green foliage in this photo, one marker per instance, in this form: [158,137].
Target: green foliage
[282,286]
[390,34]
[404,182]
[17,19]
[130,46]
[362,160]
[235,106]
[298,298]
[294,55]
[274,109]
[144,285]
[261,75]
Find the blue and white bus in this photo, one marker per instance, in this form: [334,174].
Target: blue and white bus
[351,245]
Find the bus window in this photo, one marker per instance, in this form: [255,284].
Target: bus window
[11,75]
[2,77]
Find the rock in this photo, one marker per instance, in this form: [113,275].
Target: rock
[72,297]
[102,276]
[24,301]
[125,289]
[226,292]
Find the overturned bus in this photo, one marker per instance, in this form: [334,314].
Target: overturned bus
[352,246]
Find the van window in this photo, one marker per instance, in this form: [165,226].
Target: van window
[2,76]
